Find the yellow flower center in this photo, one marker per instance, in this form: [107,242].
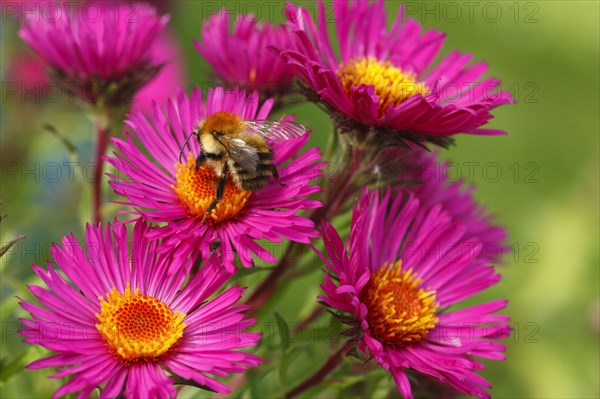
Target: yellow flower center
[399,311]
[391,84]
[197,189]
[138,327]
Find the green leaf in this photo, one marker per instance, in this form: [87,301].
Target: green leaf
[288,358]
[284,334]
[71,149]
[354,353]
[15,366]
[245,272]
[257,387]
[284,331]
[9,244]
[192,383]
[345,382]
[373,384]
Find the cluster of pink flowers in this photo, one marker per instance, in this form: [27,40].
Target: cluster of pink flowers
[150,308]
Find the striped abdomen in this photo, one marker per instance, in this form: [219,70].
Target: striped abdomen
[251,181]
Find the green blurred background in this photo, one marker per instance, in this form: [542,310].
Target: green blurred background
[541,180]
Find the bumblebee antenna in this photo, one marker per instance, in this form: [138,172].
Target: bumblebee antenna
[184,144]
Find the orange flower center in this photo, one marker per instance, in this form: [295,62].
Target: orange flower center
[391,84]
[399,311]
[138,327]
[197,189]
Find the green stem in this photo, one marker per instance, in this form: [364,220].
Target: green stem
[332,363]
[332,205]
[103,133]
[269,285]
[317,312]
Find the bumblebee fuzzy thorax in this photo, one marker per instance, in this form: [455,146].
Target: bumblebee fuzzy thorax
[223,123]
[219,124]
[236,151]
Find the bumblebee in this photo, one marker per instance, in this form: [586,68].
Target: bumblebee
[241,148]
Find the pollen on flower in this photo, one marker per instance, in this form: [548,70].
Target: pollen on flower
[138,327]
[391,84]
[197,190]
[399,311]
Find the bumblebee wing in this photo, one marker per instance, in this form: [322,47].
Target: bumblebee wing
[275,131]
[246,156]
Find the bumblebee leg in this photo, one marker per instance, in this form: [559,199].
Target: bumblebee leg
[185,143]
[276,177]
[219,196]
[200,160]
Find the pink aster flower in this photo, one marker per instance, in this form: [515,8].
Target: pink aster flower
[175,191]
[28,72]
[402,268]
[106,55]
[160,88]
[380,79]
[124,317]
[433,187]
[19,8]
[244,57]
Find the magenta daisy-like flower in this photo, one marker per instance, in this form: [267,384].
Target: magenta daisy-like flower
[160,88]
[176,191]
[429,179]
[28,71]
[380,79]
[401,275]
[101,52]
[125,320]
[244,57]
